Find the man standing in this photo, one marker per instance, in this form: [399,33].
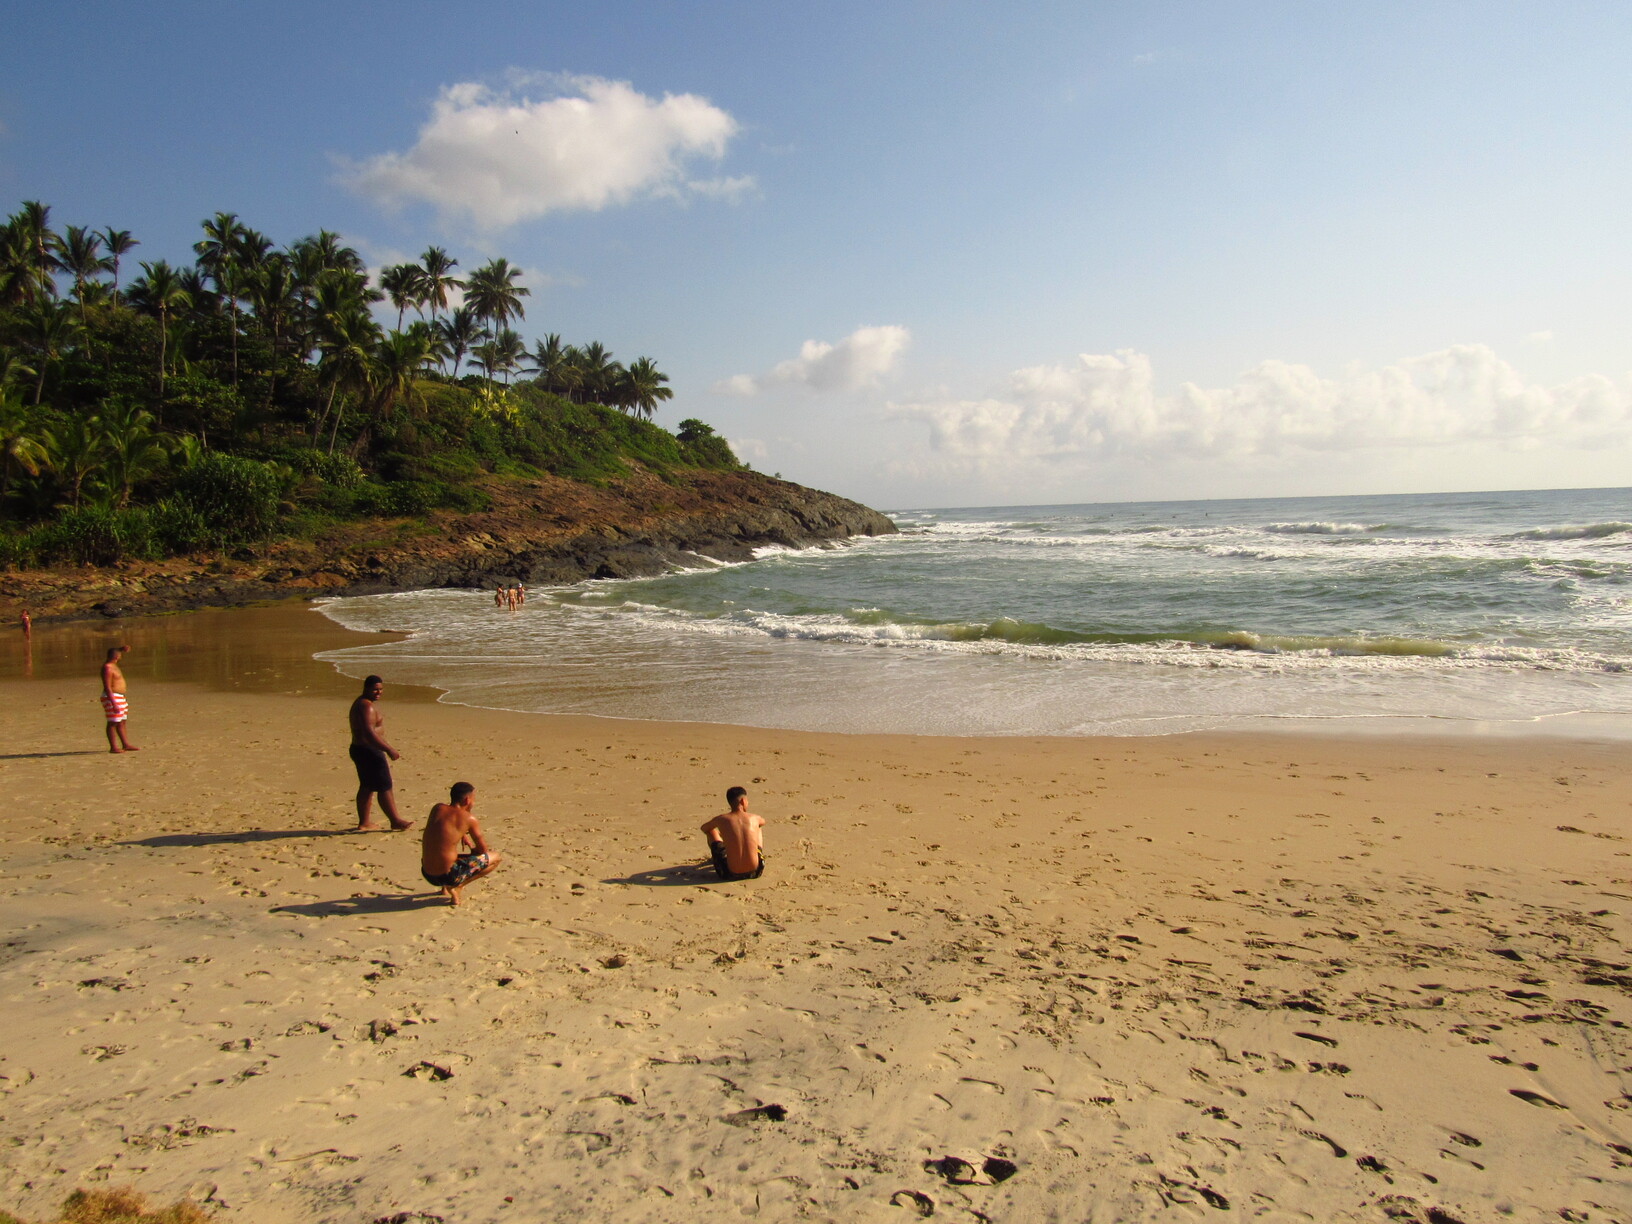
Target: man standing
[450,828]
[369,752]
[114,703]
[734,840]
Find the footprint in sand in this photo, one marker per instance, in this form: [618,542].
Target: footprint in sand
[1338,1149]
[1536,1098]
[756,1115]
[918,1202]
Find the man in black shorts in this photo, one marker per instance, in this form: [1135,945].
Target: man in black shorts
[370,753]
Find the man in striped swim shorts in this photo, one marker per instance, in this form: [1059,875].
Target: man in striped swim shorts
[114,702]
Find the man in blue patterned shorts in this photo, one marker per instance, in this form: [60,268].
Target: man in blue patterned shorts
[449,830]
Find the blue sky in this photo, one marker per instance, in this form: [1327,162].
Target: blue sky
[941,253]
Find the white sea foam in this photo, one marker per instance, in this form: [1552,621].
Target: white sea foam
[1323,528]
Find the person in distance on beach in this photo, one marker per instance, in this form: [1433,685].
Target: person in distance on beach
[28,624]
[369,753]
[449,829]
[114,703]
[734,841]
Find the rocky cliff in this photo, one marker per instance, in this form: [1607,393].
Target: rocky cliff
[545,531]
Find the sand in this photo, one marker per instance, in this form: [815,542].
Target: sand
[1183,978]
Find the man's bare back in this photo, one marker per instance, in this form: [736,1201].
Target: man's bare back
[734,839]
[449,829]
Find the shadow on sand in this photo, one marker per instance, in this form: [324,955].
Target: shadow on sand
[233,839]
[35,756]
[381,903]
[670,877]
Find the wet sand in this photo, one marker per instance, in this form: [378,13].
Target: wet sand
[1014,980]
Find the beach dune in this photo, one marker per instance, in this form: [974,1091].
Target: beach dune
[1289,978]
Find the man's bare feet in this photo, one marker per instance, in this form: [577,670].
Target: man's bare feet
[452,894]
[369,828]
[397,826]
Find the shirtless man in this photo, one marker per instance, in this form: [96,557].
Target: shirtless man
[369,753]
[734,840]
[114,704]
[449,829]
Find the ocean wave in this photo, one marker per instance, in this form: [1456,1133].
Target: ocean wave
[1587,531]
[1324,528]
[1238,649]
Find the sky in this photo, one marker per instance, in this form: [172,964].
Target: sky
[940,252]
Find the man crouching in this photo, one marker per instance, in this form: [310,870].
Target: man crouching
[449,829]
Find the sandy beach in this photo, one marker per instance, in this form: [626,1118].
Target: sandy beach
[1178,978]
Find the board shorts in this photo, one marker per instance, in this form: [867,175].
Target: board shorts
[115,706]
[465,866]
[722,866]
[373,768]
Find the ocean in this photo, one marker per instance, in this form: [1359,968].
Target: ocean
[1477,613]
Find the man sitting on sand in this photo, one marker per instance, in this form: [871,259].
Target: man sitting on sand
[369,753]
[449,829]
[734,839]
[114,702]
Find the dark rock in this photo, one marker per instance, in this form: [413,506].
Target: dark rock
[551,531]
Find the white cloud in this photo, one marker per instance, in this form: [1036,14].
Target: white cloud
[1543,338]
[749,450]
[499,157]
[861,359]
[1103,407]
[728,189]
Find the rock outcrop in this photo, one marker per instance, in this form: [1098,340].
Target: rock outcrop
[547,531]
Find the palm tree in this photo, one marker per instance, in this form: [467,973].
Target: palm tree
[461,332]
[253,248]
[491,291]
[596,371]
[134,448]
[644,386]
[438,268]
[569,376]
[46,328]
[404,286]
[396,362]
[160,293]
[82,259]
[20,446]
[118,242]
[547,358]
[76,450]
[271,291]
[38,245]
[346,338]
[219,254]
[507,354]
[437,351]
[16,265]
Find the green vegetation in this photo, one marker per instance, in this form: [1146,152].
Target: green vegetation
[254,392]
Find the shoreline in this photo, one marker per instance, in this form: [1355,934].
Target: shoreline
[1307,977]
[273,646]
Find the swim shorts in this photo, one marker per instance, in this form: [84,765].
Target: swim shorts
[115,706]
[465,866]
[373,769]
[722,866]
